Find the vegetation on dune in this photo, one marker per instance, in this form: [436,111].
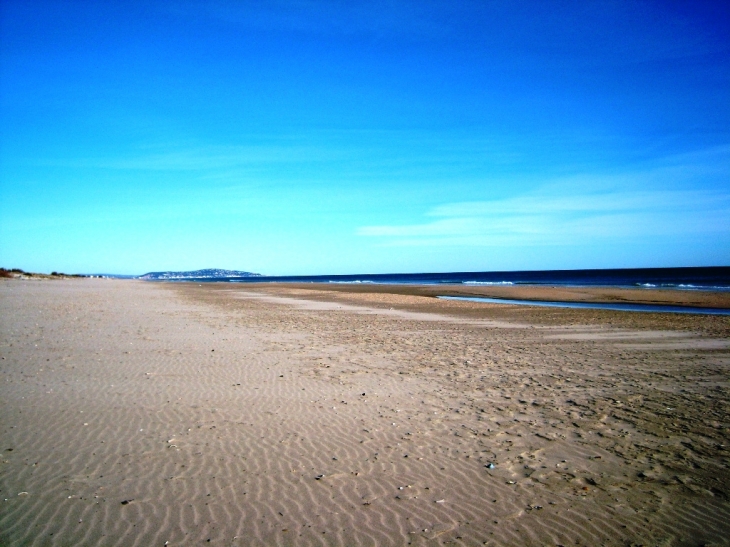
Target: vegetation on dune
[18,273]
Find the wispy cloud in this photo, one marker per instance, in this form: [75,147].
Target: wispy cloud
[202,158]
[576,211]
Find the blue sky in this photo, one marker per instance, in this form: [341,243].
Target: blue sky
[309,137]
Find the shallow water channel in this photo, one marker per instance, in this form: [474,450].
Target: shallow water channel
[620,306]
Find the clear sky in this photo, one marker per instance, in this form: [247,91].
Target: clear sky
[316,137]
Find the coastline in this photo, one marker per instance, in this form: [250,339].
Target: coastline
[183,412]
[678,297]
[423,299]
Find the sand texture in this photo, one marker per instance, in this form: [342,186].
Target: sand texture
[144,414]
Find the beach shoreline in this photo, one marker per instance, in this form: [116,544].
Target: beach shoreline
[260,414]
[557,293]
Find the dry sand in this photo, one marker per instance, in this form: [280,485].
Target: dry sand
[146,414]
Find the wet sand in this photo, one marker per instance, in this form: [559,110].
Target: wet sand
[137,413]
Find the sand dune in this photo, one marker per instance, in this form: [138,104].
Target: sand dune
[147,414]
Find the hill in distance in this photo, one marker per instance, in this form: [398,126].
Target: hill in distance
[210,273]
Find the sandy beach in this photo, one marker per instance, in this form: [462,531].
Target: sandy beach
[145,414]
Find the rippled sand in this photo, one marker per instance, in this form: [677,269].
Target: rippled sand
[134,413]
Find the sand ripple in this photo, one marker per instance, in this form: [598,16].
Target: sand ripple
[139,414]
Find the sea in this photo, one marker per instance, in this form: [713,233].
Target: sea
[716,278]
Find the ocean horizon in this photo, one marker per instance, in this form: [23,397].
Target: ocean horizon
[711,278]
